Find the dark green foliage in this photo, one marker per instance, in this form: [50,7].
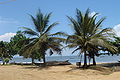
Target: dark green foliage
[15,42]
[5,51]
[6,60]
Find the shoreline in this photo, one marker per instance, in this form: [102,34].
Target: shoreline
[72,59]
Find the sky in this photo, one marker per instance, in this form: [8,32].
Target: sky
[15,13]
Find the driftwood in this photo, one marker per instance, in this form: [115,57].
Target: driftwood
[49,63]
[55,63]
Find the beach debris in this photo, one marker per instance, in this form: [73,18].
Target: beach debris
[54,63]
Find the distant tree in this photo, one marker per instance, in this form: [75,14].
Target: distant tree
[17,42]
[6,60]
[4,51]
[14,46]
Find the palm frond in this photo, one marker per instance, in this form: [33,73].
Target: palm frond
[59,34]
[29,31]
[50,27]
[75,50]
[46,21]
[36,24]
[72,45]
[98,24]
[57,39]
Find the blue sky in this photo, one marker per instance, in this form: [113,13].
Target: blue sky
[14,13]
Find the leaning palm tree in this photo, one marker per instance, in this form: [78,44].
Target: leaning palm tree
[116,43]
[41,40]
[88,35]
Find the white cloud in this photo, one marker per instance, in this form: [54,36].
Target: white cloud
[4,22]
[6,36]
[7,21]
[93,13]
[117,29]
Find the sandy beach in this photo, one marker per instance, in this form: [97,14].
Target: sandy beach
[69,72]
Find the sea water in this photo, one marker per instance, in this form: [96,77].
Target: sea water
[72,59]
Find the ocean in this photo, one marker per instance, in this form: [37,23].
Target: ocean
[72,59]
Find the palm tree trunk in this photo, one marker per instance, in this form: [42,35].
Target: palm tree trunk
[32,57]
[85,60]
[33,61]
[89,59]
[3,62]
[94,62]
[44,61]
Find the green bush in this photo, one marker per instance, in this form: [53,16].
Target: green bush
[6,60]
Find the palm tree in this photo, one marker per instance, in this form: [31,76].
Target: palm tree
[41,40]
[88,35]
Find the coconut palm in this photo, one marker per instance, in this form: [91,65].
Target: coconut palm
[88,35]
[41,40]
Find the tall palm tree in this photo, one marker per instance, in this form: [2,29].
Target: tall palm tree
[41,40]
[88,34]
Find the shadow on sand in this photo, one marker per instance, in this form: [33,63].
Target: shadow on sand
[103,68]
[36,67]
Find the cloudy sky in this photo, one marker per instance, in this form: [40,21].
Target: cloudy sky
[14,13]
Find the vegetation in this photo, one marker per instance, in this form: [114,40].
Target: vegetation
[89,38]
[116,43]
[41,40]
[15,42]
[88,35]
[6,60]
[5,51]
